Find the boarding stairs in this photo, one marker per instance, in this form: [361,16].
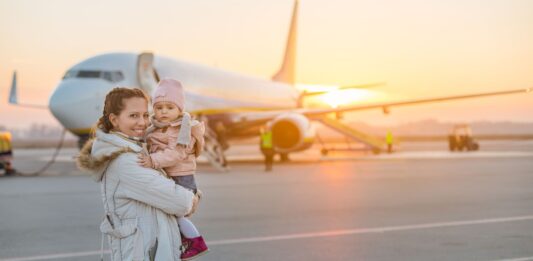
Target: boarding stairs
[214,151]
[373,143]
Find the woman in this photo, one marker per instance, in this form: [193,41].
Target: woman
[140,203]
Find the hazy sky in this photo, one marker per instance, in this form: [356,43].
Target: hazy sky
[421,48]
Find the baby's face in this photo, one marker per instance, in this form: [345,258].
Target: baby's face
[166,111]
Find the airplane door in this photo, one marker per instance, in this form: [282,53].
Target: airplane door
[146,75]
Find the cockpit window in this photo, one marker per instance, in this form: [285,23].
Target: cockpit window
[111,76]
[88,74]
[70,74]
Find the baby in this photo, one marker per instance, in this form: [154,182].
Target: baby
[174,141]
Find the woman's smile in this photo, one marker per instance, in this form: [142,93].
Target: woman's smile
[133,119]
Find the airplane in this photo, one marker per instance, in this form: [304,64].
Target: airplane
[235,106]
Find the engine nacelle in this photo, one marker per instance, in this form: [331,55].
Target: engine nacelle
[291,132]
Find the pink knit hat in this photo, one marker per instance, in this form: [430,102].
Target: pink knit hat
[169,90]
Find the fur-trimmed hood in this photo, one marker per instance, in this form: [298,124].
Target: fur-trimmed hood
[99,151]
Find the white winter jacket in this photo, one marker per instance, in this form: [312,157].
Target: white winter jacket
[140,203]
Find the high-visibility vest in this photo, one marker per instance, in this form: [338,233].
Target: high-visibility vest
[266,140]
[389,138]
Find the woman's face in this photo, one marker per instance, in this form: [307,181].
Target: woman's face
[133,119]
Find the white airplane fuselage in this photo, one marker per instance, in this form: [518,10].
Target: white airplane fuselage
[77,102]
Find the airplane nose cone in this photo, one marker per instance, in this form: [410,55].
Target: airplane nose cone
[77,105]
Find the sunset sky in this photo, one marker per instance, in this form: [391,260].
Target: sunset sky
[421,48]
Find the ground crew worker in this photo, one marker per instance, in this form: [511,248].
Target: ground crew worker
[267,148]
[389,140]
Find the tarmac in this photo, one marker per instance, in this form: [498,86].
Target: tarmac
[420,203]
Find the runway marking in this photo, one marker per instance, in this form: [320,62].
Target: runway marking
[408,155]
[330,233]
[59,158]
[518,259]
[369,230]
[56,256]
[450,155]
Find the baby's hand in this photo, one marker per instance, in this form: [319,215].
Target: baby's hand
[144,160]
[195,201]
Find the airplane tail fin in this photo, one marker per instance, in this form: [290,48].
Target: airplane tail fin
[286,73]
[13,90]
[13,97]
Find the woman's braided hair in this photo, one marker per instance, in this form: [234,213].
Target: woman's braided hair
[114,103]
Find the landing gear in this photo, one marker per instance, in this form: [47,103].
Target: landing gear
[284,157]
[82,140]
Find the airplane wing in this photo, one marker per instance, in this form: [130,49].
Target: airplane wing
[243,120]
[358,86]
[386,106]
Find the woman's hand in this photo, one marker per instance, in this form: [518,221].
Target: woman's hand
[144,160]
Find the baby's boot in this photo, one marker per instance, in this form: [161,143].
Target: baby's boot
[193,247]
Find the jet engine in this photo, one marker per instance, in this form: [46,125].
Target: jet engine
[291,132]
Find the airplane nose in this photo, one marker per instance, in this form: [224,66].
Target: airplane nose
[77,105]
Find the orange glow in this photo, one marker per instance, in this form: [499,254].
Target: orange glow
[314,87]
[338,98]
[342,51]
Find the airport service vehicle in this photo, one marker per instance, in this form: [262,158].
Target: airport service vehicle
[6,153]
[233,105]
[461,139]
